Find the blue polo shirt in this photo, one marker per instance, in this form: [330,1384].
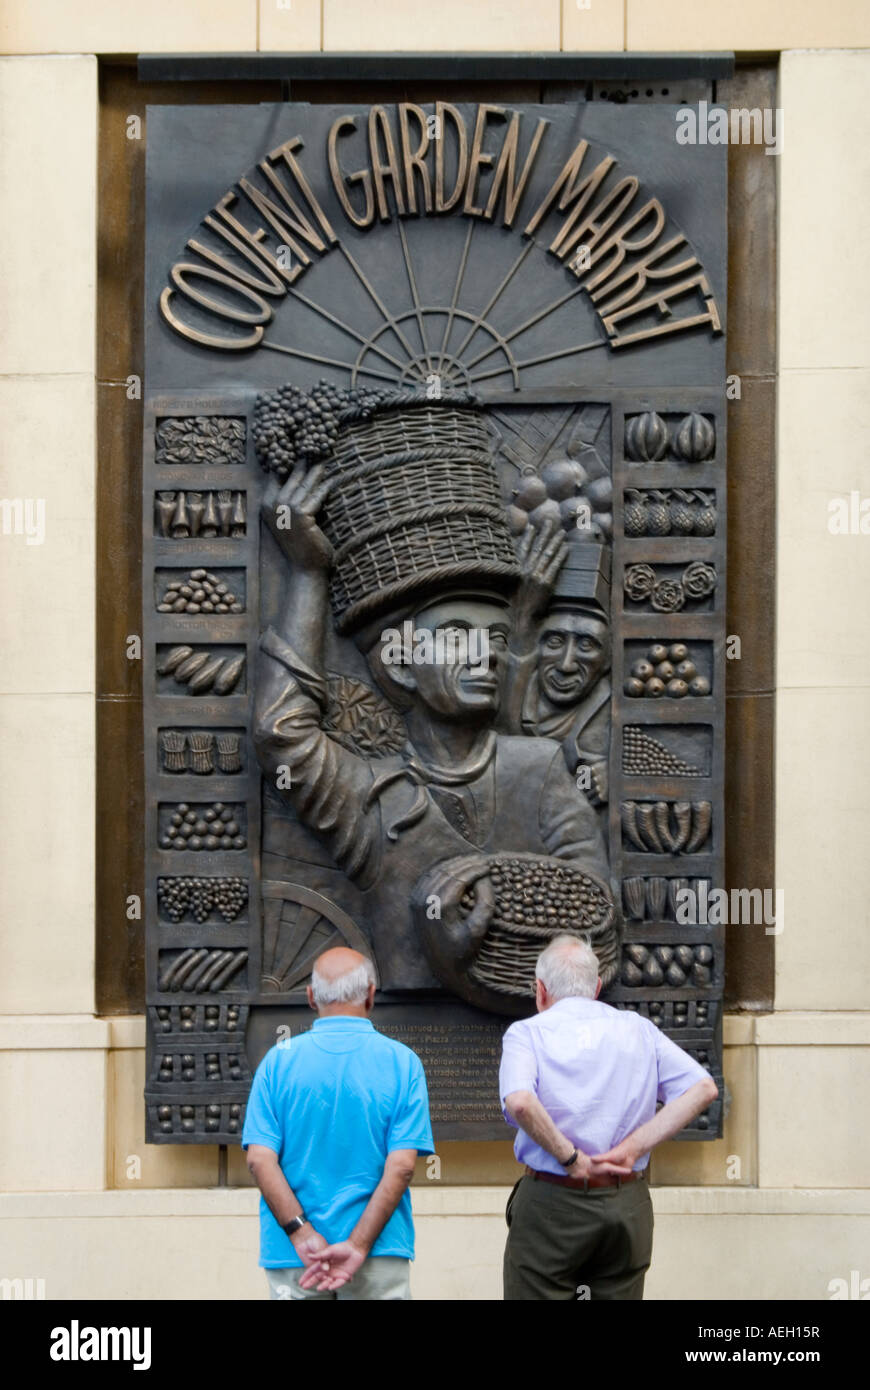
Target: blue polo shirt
[332,1103]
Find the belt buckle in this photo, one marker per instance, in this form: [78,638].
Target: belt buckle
[586,1185]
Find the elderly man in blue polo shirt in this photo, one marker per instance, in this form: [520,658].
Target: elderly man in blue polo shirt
[580,1081]
[335,1120]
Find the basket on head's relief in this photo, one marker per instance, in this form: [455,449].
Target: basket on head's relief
[414,501]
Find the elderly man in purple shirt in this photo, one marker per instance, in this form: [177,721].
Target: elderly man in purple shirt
[580,1081]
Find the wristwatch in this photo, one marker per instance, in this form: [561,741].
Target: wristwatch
[567,1162]
[296,1223]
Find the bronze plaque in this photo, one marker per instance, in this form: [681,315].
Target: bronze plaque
[434,546]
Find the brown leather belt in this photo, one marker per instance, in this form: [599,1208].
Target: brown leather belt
[584,1184]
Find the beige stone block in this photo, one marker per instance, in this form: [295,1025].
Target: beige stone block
[824,206]
[730,1159]
[738,1030]
[128,1246]
[593,26]
[460,1201]
[48,167]
[464,1163]
[747,25]
[128,26]
[814,1028]
[47,877]
[823,576]
[237,1168]
[135,1164]
[812,1116]
[822,808]
[739,1257]
[459,1257]
[710,1243]
[47,535]
[758,1201]
[53,1033]
[450,26]
[127,1031]
[290,26]
[54,1130]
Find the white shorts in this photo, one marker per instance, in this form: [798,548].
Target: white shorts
[381,1276]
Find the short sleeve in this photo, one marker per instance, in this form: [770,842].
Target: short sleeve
[411,1127]
[676,1069]
[519,1066]
[262,1125]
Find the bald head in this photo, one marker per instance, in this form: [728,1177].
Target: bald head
[342,981]
[337,962]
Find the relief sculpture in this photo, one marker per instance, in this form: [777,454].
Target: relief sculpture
[429,556]
[434,527]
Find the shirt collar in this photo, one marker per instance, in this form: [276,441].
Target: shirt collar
[343,1020]
[573,1002]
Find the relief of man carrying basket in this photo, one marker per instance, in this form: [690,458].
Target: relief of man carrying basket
[470,847]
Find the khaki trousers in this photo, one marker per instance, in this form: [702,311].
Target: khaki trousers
[380,1277]
[564,1243]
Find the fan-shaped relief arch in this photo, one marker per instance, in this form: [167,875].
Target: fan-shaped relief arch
[381,274]
[299,924]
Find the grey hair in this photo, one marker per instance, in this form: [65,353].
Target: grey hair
[568,967]
[349,988]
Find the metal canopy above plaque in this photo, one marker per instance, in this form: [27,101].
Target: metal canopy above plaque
[497,335]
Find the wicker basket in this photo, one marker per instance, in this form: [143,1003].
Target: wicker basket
[520,930]
[535,897]
[507,957]
[414,502]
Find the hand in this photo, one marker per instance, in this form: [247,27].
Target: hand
[307,1243]
[541,551]
[617,1162]
[456,934]
[336,1265]
[467,928]
[289,511]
